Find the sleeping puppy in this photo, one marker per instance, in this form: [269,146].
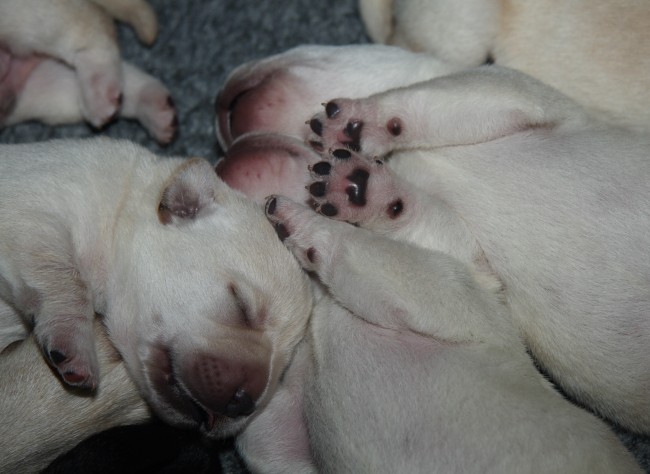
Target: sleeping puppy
[199,298]
[516,180]
[412,364]
[596,52]
[68,68]
[412,361]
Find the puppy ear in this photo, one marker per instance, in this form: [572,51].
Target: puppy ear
[190,189]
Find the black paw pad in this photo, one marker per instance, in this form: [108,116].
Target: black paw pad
[357,190]
[332,109]
[316,126]
[317,189]
[322,168]
[328,210]
[341,154]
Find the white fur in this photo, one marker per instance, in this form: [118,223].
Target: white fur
[498,170]
[40,420]
[597,52]
[557,203]
[62,64]
[106,226]
[411,366]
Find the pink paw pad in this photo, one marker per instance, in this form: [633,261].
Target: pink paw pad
[71,352]
[354,189]
[351,125]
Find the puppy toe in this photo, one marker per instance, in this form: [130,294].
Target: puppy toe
[157,113]
[335,128]
[341,186]
[70,349]
[311,238]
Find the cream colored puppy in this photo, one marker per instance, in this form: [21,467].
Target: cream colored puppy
[597,52]
[205,327]
[60,63]
[518,182]
[395,375]
[412,365]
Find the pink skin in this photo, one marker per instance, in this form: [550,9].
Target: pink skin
[261,164]
[275,102]
[14,72]
[357,125]
[361,191]
[280,93]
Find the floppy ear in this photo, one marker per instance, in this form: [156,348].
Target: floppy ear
[189,189]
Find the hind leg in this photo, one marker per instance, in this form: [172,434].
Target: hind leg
[51,94]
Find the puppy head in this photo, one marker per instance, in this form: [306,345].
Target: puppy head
[207,305]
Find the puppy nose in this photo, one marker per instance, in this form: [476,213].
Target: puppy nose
[225,386]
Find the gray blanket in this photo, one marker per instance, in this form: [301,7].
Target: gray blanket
[199,43]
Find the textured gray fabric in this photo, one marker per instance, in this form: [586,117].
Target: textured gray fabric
[199,43]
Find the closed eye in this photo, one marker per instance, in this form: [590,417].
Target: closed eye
[242,306]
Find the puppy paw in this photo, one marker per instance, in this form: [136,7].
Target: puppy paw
[102,97]
[356,125]
[312,239]
[357,190]
[100,78]
[156,111]
[68,345]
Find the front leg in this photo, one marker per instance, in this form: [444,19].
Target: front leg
[382,280]
[63,322]
[466,108]
[368,194]
[48,292]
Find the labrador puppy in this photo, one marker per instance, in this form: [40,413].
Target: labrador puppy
[60,63]
[515,180]
[206,327]
[412,364]
[452,345]
[596,52]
